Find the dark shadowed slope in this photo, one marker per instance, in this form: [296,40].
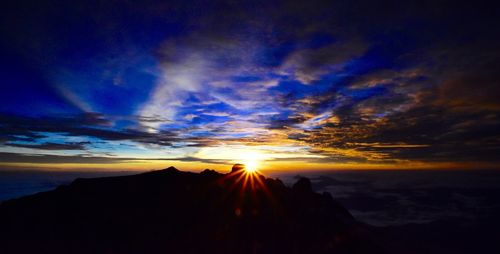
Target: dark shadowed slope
[169,211]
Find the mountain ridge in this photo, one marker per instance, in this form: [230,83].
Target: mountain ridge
[181,212]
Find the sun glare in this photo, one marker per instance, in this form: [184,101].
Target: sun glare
[252,162]
[251,166]
[246,172]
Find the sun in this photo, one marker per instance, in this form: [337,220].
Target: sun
[246,172]
[251,166]
[251,162]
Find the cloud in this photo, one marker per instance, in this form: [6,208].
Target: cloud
[57,159]
[410,115]
[53,146]
[6,157]
[457,92]
[17,128]
[203,68]
[410,199]
[410,82]
[308,65]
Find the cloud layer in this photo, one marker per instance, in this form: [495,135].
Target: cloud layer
[328,82]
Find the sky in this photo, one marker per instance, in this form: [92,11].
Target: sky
[138,85]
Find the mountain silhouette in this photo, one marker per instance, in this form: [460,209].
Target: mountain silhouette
[171,211]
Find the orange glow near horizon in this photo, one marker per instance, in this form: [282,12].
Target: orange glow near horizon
[257,162]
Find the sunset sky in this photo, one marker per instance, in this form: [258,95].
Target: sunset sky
[136,85]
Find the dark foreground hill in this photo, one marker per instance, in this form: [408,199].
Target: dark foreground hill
[169,211]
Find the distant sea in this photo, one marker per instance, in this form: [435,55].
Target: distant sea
[15,184]
[380,198]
